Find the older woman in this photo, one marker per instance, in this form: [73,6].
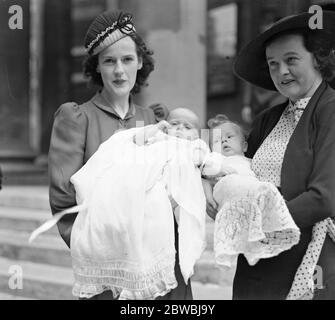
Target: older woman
[293,146]
[119,62]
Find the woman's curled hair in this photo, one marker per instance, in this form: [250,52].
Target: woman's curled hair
[318,42]
[322,45]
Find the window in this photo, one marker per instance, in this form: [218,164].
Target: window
[221,49]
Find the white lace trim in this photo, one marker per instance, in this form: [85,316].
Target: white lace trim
[125,281]
[258,226]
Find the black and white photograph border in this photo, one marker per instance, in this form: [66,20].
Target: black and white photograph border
[67,88]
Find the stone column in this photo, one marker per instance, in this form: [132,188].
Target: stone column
[175,30]
[56,73]
[35,67]
[112,4]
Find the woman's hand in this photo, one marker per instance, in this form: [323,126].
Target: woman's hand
[211,205]
[211,208]
[146,134]
[160,110]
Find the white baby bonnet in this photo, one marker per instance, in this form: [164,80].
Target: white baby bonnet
[252,219]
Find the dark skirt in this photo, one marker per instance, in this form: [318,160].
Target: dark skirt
[271,279]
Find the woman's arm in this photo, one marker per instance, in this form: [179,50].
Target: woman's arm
[66,156]
[211,205]
[215,166]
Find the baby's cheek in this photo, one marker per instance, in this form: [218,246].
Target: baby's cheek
[171,132]
[194,134]
[217,147]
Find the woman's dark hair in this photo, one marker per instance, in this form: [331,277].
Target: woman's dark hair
[318,42]
[91,62]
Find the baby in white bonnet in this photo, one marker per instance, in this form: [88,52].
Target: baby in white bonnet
[252,217]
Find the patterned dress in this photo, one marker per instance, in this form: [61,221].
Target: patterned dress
[267,163]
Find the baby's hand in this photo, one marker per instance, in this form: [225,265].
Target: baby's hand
[163,126]
[212,165]
[215,168]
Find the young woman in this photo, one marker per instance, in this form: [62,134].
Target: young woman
[119,62]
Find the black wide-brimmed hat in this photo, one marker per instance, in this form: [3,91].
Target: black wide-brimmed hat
[250,64]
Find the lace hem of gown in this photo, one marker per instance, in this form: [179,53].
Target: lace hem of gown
[257,225]
[126,283]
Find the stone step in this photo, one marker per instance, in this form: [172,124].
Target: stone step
[28,219]
[20,219]
[39,281]
[26,179]
[24,173]
[31,197]
[49,282]
[4,296]
[207,271]
[209,233]
[55,283]
[210,291]
[46,249]
[49,249]
[34,199]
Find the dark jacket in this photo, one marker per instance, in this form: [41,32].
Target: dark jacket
[308,186]
[77,132]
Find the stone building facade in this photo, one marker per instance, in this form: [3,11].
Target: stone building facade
[194,41]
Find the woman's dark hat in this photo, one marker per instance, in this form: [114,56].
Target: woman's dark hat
[107,28]
[250,64]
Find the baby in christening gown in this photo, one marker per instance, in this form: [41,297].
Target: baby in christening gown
[123,237]
[252,217]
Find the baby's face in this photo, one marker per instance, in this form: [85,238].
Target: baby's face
[228,140]
[184,125]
